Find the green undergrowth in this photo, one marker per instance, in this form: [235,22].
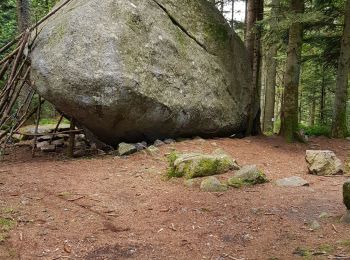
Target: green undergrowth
[6,225]
[316,130]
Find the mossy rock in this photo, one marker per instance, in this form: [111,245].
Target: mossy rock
[250,175]
[212,184]
[235,182]
[194,165]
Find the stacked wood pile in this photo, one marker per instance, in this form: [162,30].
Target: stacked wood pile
[19,101]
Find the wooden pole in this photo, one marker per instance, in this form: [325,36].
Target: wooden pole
[36,128]
[71,145]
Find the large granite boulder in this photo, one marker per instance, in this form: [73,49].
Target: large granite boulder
[137,70]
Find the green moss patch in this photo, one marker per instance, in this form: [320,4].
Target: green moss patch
[235,182]
[6,225]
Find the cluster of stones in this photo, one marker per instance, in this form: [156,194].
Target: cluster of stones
[129,148]
[195,165]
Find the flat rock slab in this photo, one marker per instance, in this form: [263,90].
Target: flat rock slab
[42,129]
[293,181]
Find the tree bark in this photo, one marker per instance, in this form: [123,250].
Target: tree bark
[23,15]
[289,115]
[339,126]
[312,111]
[323,97]
[253,45]
[271,71]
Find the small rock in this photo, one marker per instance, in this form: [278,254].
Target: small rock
[250,174]
[80,145]
[18,137]
[48,148]
[189,183]
[346,217]
[212,184]
[41,144]
[44,138]
[126,149]
[158,143]
[293,181]
[324,215]
[152,150]
[169,141]
[323,162]
[58,143]
[314,225]
[141,146]
[256,210]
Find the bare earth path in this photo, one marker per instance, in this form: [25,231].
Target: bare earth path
[119,208]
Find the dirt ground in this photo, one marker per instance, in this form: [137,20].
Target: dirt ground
[118,208]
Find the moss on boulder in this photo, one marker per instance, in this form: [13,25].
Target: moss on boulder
[192,165]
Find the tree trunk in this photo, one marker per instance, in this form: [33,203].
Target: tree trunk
[23,15]
[339,127]
[271,71]
[253,45]
[323,97]
[289,116]
[312,111]
[232,14]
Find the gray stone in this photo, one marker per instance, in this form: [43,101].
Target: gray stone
[58,143]
[42,144]
[143,69]
[152,150]
[126,149]
[44,138]
[346,217]
[251,174]
[212,184]
[324,215]
[314,225]
[190,183]
[294,181]
[48,148]
[169,141]
[29,130]
[140,146]
[158,143]
[323,162]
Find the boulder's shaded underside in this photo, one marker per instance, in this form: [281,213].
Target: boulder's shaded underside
[143,69]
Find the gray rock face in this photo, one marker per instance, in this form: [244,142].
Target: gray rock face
[138,70]
[323,162]
[293,181]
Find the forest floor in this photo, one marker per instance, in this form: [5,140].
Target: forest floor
[117,208]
